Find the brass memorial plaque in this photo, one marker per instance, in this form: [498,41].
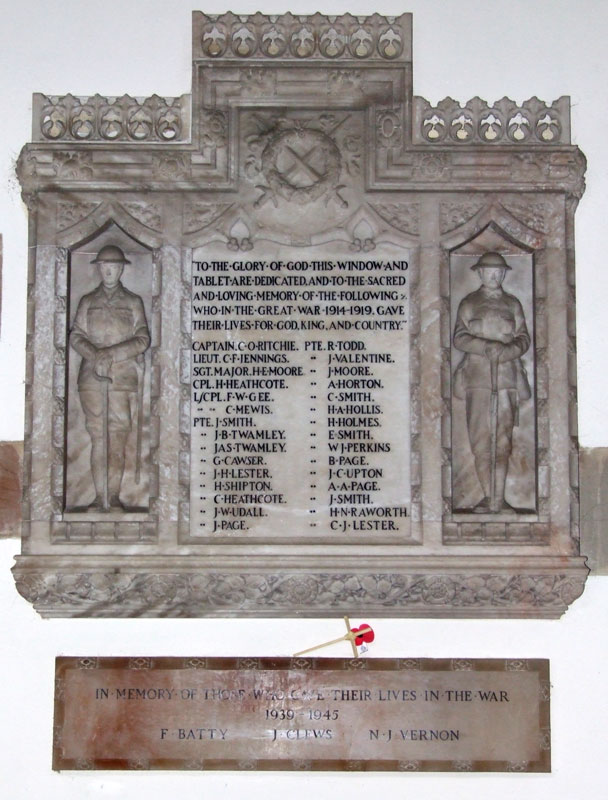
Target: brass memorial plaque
[403,714]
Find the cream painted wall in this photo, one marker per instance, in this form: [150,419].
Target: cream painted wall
[514,47]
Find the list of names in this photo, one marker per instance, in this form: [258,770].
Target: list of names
[300,397]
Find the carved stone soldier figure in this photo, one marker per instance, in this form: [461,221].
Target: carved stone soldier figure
[111,334]
[491,331]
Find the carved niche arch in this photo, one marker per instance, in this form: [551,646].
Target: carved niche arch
[99,219]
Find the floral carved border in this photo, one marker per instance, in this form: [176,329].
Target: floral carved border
[201,592]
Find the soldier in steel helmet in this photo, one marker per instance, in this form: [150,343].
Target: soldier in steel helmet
[111,334]
[491,331]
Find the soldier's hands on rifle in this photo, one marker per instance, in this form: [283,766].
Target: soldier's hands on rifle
[493,350]
[103,362]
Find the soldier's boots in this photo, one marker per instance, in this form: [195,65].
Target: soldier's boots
[483,507]
[486,506]
[97,504]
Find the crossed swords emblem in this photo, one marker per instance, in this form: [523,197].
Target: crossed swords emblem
[303,161]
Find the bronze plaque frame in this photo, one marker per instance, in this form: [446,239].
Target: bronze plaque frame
[78,731]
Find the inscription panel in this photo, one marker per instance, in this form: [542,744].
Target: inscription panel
[326,714]
[300,393]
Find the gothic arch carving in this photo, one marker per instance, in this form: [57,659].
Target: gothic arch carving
[495,216]
[208,221]
[99,219]
[366,226]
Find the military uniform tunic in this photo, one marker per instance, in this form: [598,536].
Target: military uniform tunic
[491,315]
[485,316]
[112,320]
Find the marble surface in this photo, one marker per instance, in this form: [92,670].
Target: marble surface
[321,156]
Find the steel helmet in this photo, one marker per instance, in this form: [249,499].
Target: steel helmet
[491,260]
[111,253]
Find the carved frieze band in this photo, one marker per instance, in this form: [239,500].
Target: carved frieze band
[502,122]
[111,119]
[199,592]
[45,165]
[312,37]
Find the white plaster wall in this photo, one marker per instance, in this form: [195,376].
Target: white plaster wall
[514,47]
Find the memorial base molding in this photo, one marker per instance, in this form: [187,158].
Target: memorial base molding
[189,586]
